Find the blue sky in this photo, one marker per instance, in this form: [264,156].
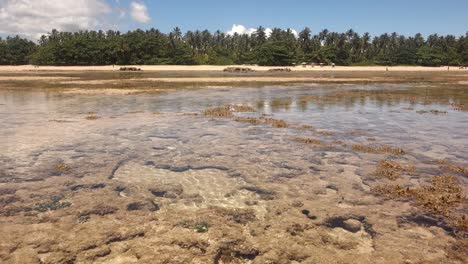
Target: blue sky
[32,18]
[374,16]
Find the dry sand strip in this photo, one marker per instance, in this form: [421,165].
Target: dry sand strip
[162,68]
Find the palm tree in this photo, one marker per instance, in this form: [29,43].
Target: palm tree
[177,34]
[323,35]
[260,36]
[305,41]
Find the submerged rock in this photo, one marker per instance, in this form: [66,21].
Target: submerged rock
[307,213]
[332,186]
[168,191]
[352,225]
[148,206]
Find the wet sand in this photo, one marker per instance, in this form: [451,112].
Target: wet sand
[135,171]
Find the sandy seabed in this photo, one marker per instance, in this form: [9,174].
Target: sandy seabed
[102,166]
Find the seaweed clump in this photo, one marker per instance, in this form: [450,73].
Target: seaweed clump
[391,169]
[62,167]
[455,168]
[227,110]
[310,141]
[222,111]
[379,149]
[242,108]
[278,123]
[443,193]
[250,120]
[313,142]
[92,116]
[440,198]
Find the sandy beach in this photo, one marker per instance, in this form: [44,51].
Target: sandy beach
[185,68]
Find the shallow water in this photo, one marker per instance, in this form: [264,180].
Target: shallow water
[153,150]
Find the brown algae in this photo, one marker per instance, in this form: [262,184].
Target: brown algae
[444,193]
[311,141]
[223,111]
[227,111]
[250,120]
[391,169]
[278,123]
[455,168]
[62,167]
[92,116]
[378,149]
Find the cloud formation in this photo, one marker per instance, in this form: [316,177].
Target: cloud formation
[241,29]
[294,32]
[36,17]
[139,12]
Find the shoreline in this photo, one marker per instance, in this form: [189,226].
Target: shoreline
[210,68]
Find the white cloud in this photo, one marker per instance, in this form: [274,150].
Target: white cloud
[36,17]
[294,32]
[241,29]
[139,12]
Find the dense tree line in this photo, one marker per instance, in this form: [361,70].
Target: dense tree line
[16,51]
[281,47]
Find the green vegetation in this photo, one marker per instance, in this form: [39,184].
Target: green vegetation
[282,47]
[16,51]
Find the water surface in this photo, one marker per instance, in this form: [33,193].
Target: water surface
[147,177]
